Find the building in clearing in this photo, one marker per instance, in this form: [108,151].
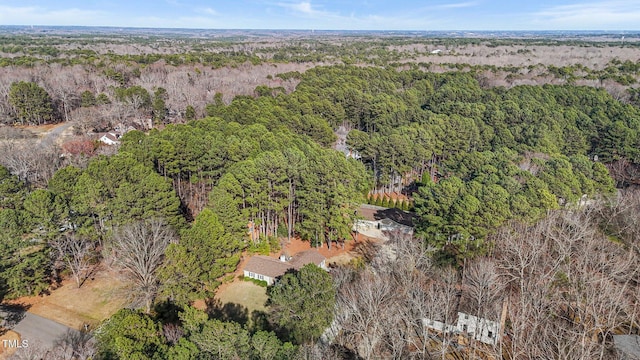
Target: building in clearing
[480,329]
[110,138]
[268,269]
[376,222]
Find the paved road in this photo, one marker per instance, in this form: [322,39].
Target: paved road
[53,135]
[37,329]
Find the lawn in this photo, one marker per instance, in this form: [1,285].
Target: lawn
[97,299]
[243,294]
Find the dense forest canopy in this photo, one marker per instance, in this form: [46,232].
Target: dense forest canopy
[478,157]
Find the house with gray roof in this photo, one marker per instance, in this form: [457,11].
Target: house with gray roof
[268,269]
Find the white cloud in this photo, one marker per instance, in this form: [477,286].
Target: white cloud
[297,14]
[306,8]
[602,15]
[210,11]
[32,15]
[457,5]
[303,7]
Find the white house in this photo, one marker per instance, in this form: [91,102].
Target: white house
[482,330]
[268,269]
[376,228]
[438,326]
[110,138]
[265,268]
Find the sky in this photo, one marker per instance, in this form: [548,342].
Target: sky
[613,15]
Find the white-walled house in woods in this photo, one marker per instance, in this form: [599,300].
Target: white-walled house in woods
[110,138]
[268,269]
[480,329]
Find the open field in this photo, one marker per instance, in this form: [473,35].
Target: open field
[238,300]
[96,300]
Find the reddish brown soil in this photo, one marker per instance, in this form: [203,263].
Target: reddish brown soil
[297,245]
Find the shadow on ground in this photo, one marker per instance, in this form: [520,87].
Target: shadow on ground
[367,249]
[227,312]
[10,315]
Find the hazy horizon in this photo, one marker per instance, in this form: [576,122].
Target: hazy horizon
[361,15]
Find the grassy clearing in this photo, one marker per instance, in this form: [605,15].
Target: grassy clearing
[243,293]
[97,299]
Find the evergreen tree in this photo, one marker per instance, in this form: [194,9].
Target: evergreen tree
[159,106]
[87,99]
[130,334]
[189,113]
[31,103]
[302,303]
[206,252]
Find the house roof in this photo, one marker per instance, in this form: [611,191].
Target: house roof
[108,137]
[306,257]
[374,213]
[273,268]
[268,266]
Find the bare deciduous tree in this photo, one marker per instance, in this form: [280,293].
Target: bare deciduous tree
[366,303]
[482,288]
[380,310]
[172,332]
[137,250]
[570,286]
[74,345]
[33,164]
[77,253]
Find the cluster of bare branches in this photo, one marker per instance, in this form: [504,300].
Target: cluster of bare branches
[77,254]
[570,286]
[620,218]
[380,309]
[73,345]
[32,163]
[560,288]
[196,86]
[137,251]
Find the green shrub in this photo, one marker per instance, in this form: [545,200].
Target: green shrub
[255,281]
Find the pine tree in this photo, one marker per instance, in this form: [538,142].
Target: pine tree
[189,113]
[378,200]
[31,103]
[205,253]
[302,303]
